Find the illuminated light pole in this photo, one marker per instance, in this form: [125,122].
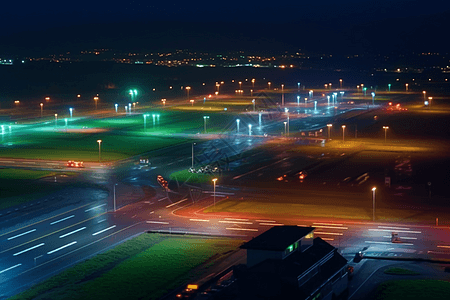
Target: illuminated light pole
[343,133]
[204,122]
[99,150]
[340,83]
[78,96]
[237,125]
[326,86]
[357,87]
[364,90]
[329,85]
[95,100]
[47,98]
[373,98]
[188,88]
[385,132]
[163,101]
[285,133]
[282,95]
[240,85]
[56,120]
[287,114]
[251,93]
[298,100]
[430,98]
[129,108]
[42,108]
[329,130]
[249,129]
[192,102]
[311,93]
[115,197]
[315,106]
[373,203]
[214,182]
[145,120]
[65,121]
[389,87]
[306,99]
[157,119]
[217,86]
[269,83]
[154,120]
[328,99]
[253,101]
[193,155]
[126,109]
[424,95]
[260,120]
[406,86]
[298,87]
[342,96]
[253,83]
[71,111]
[116,106]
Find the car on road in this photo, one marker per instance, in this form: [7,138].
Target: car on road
[75,164]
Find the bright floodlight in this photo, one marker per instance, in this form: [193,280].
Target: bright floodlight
[374,188]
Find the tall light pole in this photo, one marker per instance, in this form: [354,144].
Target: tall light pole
[298,100]
[99,150]
[329,129]
[406,86]
[340,83]
[214,182]
[237,125]
[389,87]
[287,122]
[253,83]
[373,98]
[430,98]
[285,128]
[204,122]
[240,85]
[424,95]
[385,132]
[328,100]
[311,92]
[129,108]
[259,115]
[145,121]
[71,111]
[373,202]
[282,95]
[115,197]
[56,120]
[253,101]
[95,100]
[269,83]
[163,101]
[343,133]
[298,87]
[193,155]
[116,106]
[42,108]
[192,102]
[188,88]
[65,120]
[249,129]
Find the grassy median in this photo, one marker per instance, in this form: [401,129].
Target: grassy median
[413,290]
[146,267]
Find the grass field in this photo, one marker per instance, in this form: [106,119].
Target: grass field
[413,290]
[185,176]
[146,267]
[13,174]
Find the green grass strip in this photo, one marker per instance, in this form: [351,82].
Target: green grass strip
[413,290]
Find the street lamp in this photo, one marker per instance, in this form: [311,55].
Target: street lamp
[95,100]
[259,115]
[115,106]
[385,132]
[282,95]
[193,155]
[373,98]
[115,197]
[340,83]
[56,120]
[253,101]
[430,98]
[214,182]
[406,86]
[311,93]
[163,101]
[329,129]
[237,125]
[65,120]
[240,85]
[253,83]
[71,110]
[192,102]
[188,88]
[42,108]
[129,108]
[145,121]
[389,87]
[204,121]
[269,83]
[298,87]
[298,100]
[328,100]
[373,200]
[249,129]
[285,123]
[424,95]
[99,150]
[343,133]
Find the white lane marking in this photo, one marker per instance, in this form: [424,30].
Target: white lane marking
[26,250]
[94,207]
[242,229]
[60,248]
[162,199]
[7,161]
[271,224]
[398,231]
[236,222]
[16,236]
[231,219]
[388,227]
[256,170]
[157,222]
[403,237]
[2,271]
[265,221]
[101,221]
[199,220]
[170,205]
[72,232]
[62,219]
[442,246]
[330,224]
[330,227]
[387,243]
[328,233]
[101,231]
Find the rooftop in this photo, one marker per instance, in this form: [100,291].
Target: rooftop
[278,238]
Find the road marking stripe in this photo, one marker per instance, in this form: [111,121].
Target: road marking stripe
[242,229]
[101,221]
[170,205]
[331,227]
[7,161]
[26,250]
[388,227]
[162,199]
[18,265]
[16,236]
[271,224]
[398,231]
[441,246]
[94,207]
[72,232]
[158,222]
[101,231]
[52,223]
[199,220]
[236,222]
[388,243]
[60,248]
[403,237]
[331,224]
[231,219]
[265,221]
[328,233]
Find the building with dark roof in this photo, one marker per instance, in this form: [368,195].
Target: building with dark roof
[286,262]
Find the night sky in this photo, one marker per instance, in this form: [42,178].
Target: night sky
[394,18]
